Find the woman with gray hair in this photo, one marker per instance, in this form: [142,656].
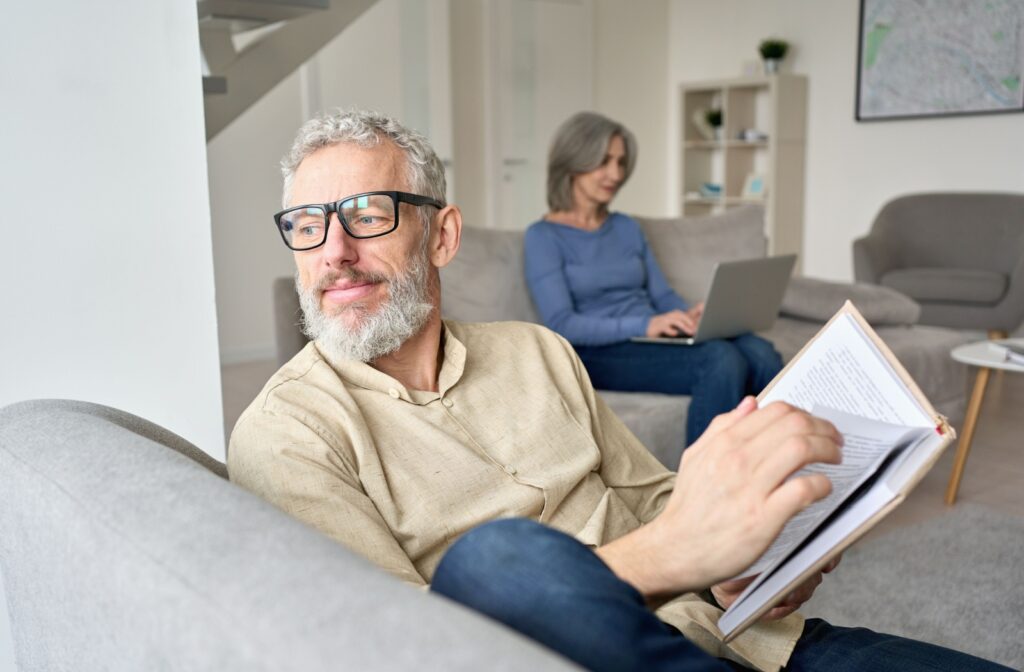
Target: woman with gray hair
[595,281]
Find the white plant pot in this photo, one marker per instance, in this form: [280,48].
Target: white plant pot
[771,66]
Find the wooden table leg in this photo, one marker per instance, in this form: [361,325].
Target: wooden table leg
[970,423]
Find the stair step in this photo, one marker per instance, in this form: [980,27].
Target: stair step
[247,14]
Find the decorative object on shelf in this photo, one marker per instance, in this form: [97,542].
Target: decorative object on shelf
[772,52]
[711,190]
[754,186]
[714,119]
[752,135]
[938,59]
[700,123]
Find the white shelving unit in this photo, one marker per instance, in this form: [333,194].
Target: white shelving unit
[775,105]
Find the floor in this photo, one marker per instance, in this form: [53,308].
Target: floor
[993,477]
[994,474]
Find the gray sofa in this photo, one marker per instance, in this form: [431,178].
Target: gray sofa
[123,547]
[960,255]
[485,283]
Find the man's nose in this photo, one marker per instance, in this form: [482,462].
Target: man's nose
[339,247]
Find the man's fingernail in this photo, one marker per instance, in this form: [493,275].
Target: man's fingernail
[747,404]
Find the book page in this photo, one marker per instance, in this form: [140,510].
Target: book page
[842,369]
[866,444]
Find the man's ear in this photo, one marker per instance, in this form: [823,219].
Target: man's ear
[445,236]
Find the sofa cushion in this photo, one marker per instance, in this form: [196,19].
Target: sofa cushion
[658,420]
[818,300]
[953,285]
[687,249]
[486,282]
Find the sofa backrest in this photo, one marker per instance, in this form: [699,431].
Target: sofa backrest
[486,282]
[953,230]
[688,248]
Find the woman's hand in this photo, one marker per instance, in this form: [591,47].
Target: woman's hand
[676,322]
[673,323]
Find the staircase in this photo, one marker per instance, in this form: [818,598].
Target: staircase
[248,46]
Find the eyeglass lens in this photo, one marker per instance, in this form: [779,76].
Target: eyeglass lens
[362,217]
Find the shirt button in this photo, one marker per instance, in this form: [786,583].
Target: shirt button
[510,470]
[393,393]
[448,403]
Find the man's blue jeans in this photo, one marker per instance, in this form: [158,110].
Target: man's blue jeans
[717,373]
[553,589]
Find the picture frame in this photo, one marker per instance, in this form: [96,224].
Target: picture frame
[754,186]
[909,66]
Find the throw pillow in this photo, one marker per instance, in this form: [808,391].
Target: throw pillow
[818,300]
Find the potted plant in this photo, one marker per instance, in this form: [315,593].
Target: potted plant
[714,119]
[772,51]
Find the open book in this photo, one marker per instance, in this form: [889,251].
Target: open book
[892,437]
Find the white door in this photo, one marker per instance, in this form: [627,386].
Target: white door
[540,55]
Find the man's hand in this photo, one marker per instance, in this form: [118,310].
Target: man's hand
[726,592]
[732,497]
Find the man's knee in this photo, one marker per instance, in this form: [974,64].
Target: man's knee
[506,547]
[504,568]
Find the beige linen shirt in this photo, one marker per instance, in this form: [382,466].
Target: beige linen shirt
[515,429]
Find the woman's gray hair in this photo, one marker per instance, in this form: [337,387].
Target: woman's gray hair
[425,172]
[580,145]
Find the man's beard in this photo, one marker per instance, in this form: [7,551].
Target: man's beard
[369,336]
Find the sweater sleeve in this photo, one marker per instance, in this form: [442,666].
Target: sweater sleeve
[549,287]
[663,297]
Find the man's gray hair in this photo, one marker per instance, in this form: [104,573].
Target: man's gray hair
[425,172]
[580,145]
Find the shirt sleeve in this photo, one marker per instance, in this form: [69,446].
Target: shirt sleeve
[662,295]
[638,478]
[549,287]
[290,464]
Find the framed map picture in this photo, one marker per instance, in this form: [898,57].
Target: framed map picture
[939,57]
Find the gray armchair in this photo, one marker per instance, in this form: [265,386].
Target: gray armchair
[959,255]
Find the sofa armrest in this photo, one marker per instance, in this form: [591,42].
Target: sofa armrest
[288,336]
[818,300]
[120,553]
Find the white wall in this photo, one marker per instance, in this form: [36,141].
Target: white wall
[852,168]
[631,76]
[244,175]
[111,297]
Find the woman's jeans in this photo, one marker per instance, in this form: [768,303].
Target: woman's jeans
[555,590]
[716,374]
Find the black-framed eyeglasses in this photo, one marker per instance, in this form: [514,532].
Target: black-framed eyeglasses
[368,215]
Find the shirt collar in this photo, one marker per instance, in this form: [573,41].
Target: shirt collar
[363,375]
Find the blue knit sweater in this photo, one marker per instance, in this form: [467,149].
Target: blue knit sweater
[596,287]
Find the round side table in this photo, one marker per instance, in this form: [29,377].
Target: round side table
[983,355]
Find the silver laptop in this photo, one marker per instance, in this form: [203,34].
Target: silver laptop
[745,295]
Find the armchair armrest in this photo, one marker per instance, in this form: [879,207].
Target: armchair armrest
[872,258]
[1011,307]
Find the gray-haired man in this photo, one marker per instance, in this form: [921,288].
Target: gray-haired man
[397,433]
